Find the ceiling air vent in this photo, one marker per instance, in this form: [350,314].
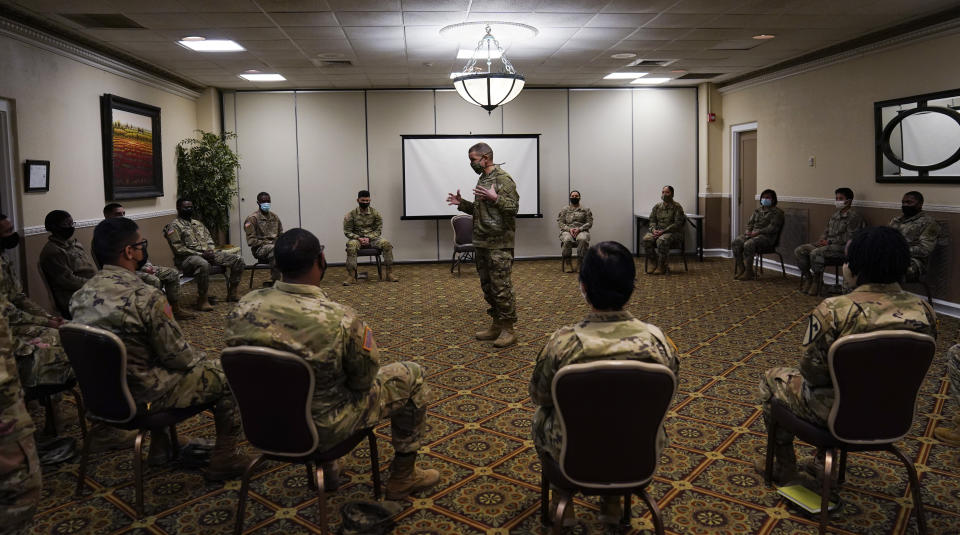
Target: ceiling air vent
[332,63]
[650,62]
[699,75]
[101,20]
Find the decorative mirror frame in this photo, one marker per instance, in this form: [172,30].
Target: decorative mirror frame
[883,133]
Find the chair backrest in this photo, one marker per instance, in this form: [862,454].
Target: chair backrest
[876,380]
[462,229]
[604,447]
[99,361]
[274,390]
[53,299]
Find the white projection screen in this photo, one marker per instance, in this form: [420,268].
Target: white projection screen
[436,165]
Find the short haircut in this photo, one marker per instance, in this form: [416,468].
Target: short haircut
[846,192]
[878,255]
[182,200]
[261,194]
[608,274]
[669,188]
[108,209]
[111,236]
[481,149]
[916,195]
[54,218]
[576,191]
[363,193]
[771,193]
[296,251]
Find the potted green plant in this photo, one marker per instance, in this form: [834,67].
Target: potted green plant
[207,175]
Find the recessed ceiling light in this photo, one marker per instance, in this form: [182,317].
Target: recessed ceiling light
[624,75]
[650,81]
[200,44]
[763,36]
[194,38]
[624,55]
[467,53]
[262,77]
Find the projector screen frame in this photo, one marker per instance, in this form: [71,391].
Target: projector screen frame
[403,163]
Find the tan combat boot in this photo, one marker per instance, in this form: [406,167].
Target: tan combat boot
[816,284]
[104,437]
[406,478]
[659,269]
[180,313]
[161,450]
[203,304]
[747,275]
[232,290]
[492,332]
[611,510]
[390,276]
[507,337]
[226,461]
[738,268]
[805,281]
[351,277]
[949,435]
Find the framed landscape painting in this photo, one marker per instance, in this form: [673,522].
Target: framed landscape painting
[132,167]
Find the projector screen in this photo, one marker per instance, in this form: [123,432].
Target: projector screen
[436,165]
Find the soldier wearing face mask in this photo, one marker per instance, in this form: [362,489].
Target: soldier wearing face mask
[762,230]
[575,222]
[262,228]
[920,230]
[64,262]
[666,225]
[363,227]
[843,223]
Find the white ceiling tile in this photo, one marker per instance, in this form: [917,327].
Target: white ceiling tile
[503,5]
[299,6]
[570,6]
[657,34]
[125,35]
[718,34]
[602,34]
[434,5]
[637,6]
[667,20]
[374,32]
[67,6]
[746,21]
[635,46]
[315,32]
[170,20]
[221,6]
[236,34]
[691,44]
[620,20]
[317,46]
[151,46]
[364,5]
[272,44]
[323,18]
[425,36]
[704,6]
[433,18]
[560,20]
[146,6]
[370,18]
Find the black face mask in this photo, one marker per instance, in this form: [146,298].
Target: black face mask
[574,200]
[142,262]
[64,233]
[364,205]
[10,241]
[186,213]
[909,211]
[322,261]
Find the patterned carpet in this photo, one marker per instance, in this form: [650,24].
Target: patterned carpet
[479,421]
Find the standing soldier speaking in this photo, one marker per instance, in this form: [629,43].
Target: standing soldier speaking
[494,212]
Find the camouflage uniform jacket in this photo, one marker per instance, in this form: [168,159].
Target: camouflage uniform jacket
[843,223]
[921,232]
[868,308]
[668,217]
[18,308]
[158,355]
[339,346]
[15,422]
[362,224]
[494,223]
[188,238]
[600,336]
[67,267]
[766,221]
[262,229]
[575,217]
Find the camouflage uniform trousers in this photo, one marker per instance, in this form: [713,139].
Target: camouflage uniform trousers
[953,372]
[786,385]
[20,484]
[494,267]
[264,254]
[661,244]
[400,393]
[204,384]
[746,248]
[163,278]
[40,357]
[810,256]
[567,241]
[354,245]
[916,269]
[199,268]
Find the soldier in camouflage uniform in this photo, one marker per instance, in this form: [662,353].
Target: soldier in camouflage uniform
[843,223]
[36,342]
[362,226]
[20,481]
[163,370]
[352,391]
[951,435]
[607,333]
[877,258]
[762,231]
[63,261]
[575,223]
[194,251]
[494,212]
[920,230]
[160,277]
[262,228]
[666,228]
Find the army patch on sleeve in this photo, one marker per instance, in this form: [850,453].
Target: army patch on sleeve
[171,231]
[814,328]
[368,343]
[168,311]
[246,225]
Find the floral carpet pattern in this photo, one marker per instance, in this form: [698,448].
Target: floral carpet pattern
[479,420]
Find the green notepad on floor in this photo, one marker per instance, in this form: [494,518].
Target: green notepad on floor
[805,498]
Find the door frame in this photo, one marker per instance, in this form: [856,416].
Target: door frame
[735,132]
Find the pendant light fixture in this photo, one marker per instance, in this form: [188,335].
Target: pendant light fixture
[488,89]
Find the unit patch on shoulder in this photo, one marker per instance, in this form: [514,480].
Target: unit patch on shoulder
[814,328]
[368,343]
[246,225]
[168,311]
[171,230]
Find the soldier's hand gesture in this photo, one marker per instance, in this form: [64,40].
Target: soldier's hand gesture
[454,200]
[488,194]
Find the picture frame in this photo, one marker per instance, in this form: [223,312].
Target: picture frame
[132,164]
[36,176]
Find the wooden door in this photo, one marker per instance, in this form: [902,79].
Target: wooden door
[747,174]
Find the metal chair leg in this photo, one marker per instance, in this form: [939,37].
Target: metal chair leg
[914,488]
[783,268]
[174,442]
[374,464]
[50,416]
[82,472]
[81,413]
[654,512]
[244,487]
[138,471]
[627,504]
[321,500]
[828,460]
[545,501]
[311,484]
[250,287]
[563,501]
[768,466]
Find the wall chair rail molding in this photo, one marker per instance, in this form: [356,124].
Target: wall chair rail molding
[84,223]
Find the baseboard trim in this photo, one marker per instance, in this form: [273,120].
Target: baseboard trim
[718,253]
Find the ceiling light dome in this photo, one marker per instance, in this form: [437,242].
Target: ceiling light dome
[488,89]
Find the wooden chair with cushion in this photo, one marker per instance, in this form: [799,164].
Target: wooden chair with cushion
[876,379]
[274,391]
[607,453]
